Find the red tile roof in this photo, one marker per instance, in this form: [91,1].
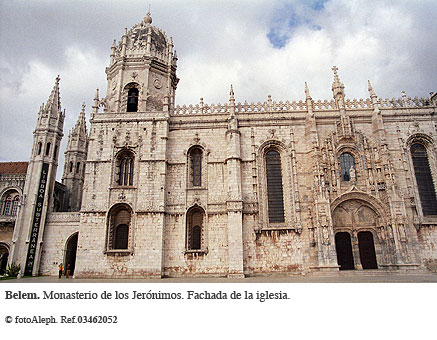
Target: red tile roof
[13,168]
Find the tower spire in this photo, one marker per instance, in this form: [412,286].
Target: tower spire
[54,101]
[74,165]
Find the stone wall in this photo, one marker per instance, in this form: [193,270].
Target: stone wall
[59,228]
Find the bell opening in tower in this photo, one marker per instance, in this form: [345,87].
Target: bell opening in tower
[132,100]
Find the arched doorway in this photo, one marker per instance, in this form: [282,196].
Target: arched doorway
[343,245]
[367,250]
[4,255]
[70,253]
[355,221]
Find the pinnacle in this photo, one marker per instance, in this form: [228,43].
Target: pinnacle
[307,91]
[370,88]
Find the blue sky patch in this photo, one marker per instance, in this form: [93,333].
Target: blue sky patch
[285,21]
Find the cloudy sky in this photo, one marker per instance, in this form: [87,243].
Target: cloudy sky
[261,47]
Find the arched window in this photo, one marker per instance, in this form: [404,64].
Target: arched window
[77,167]
[425,184]
[125,168]
[132,100]
[347,162]
[71,166]
[48,149]
[56,151]
[39,148]
[10,203]
[196,167]
[119,225]
[274,187]
[195,225]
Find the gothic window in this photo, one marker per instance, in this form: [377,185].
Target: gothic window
[274,187]
[119,225]
[132,100]
[71,166]
[39,148]
[10,203]
[125,168]
[195,225]
[196,167]
[424,180]
[56,151]
[347,162]
[48,149]
[77,167]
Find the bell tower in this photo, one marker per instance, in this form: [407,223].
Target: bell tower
[142,71]
[127,158]
[40,181]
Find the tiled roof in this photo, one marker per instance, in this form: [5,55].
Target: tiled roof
[13,168]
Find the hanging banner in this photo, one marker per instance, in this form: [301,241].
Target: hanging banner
[31,252]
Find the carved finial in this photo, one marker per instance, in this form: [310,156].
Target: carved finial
[232,102]
[338,89]
[83,107]
[96,97]
[58,79]
[125,31]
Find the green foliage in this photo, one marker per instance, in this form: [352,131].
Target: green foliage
[12,270]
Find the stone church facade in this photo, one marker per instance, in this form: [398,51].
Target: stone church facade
[154,189]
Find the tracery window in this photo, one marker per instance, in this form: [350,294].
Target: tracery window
[132,100]
[195,227]
[196,167]
[119,225]
[425,184]
[125,168]
[10,202]
[347,162]
[274,187]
